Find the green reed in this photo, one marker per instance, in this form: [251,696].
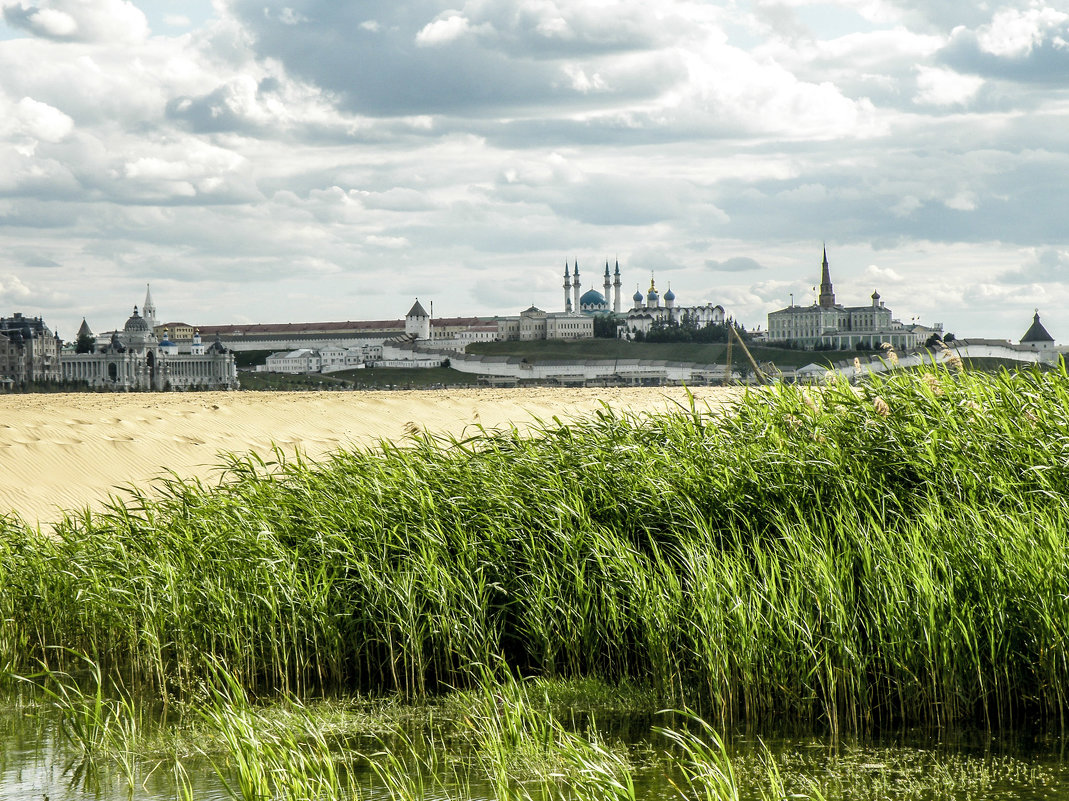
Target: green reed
[850,557]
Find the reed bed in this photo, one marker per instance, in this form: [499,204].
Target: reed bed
[848,557]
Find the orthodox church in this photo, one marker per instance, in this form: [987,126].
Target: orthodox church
[135,359]
[645,309]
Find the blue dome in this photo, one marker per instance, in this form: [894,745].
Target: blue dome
[637,296]
[669,295]
[592,298]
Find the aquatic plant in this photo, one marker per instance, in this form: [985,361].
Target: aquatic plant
[849,557]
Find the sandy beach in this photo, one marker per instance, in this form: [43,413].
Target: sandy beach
[69,451]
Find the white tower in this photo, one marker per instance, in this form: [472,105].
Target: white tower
[197,348]
[148,311]
[576,286]
[608,283]
[418,322]
[567,289]
[616,290]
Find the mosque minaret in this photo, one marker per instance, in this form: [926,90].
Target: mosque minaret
[567,288]
[576,287]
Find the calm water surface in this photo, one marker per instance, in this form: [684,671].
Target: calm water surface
[37,763]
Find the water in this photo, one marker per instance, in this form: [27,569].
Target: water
[37,763]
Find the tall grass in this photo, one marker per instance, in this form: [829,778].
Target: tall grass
[853,558]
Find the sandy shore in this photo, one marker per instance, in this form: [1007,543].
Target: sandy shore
[62,452]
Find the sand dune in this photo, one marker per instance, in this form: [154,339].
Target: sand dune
[67,452]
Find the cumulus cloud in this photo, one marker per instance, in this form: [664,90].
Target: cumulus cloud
[943,87]
[41,121]
[875,272]
[79,20]
[13,289]
[1014,33]
[443,30]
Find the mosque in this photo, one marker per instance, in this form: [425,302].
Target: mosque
[645,311]
[135,359]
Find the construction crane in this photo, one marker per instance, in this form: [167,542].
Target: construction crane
[759,375]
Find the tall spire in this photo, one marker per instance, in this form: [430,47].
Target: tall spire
[827,294]
[567,288]
[576,288]
[149,309]
[616,283]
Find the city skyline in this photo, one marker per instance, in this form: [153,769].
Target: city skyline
[308,160]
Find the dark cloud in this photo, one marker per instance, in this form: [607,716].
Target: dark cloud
[738,264]
[1046,64]
[215,112]
[39,261]
[383,69]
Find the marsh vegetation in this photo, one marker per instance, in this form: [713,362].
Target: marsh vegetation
[852,561]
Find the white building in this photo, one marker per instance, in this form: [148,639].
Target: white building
[829,325]
[534,323]
[134,359]
[294,362]
[328,359]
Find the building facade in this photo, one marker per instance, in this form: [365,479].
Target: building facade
[135,359]
[534,323]
[832,326]
[29,351]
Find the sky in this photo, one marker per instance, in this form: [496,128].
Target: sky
[313,160]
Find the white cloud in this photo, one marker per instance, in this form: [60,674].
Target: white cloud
[290,17]
[961,201]
[177,20]
[41,121]
[1014,33]
[13,289]
[443,30]
[581,82]
[882,274]
[53,23]
[942,87]
[80,20]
